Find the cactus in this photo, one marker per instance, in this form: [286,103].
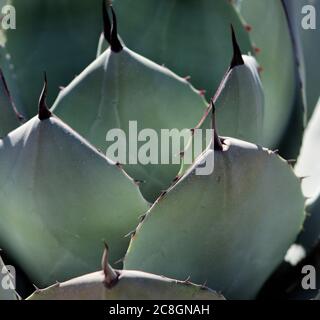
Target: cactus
[122,86]
[110,284]
[62,198]
[219,217]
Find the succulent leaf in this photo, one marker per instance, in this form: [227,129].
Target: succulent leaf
[292,138]
[130,285]
[270,33]
[231,220]
[56,36]
[309,48]
[240,106]
[121,86]
[196,31]
[62,198]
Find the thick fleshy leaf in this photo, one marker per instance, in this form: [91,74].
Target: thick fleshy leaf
[240,106]
[131,285]
[303,14]
[110,284]
[189,37]
[237,222]
[55,36]
[291,141]
[271,36]
[120,87]
[60,198]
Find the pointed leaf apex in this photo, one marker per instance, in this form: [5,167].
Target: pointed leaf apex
[216,139]
[110,30]
[106,21]
[237,56]
[35,287]
[44,112]
[110,275]
[7,91]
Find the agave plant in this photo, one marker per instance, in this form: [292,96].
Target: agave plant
[110,284]
[245,228]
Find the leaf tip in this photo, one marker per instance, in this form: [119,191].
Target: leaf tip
[43,110]
[237,59]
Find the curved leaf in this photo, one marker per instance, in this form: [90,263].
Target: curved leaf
[61,198]
[238,222]
[271,36]
[131,285]
[54,36]
[120,87]
[189,37]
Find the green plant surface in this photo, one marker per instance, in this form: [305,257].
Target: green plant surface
[133,285]
[271,36]
[231,228]
[119,87]
[110,284]
[54,36]
[308,40]
[59,199]
[240,105]
[189,37]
